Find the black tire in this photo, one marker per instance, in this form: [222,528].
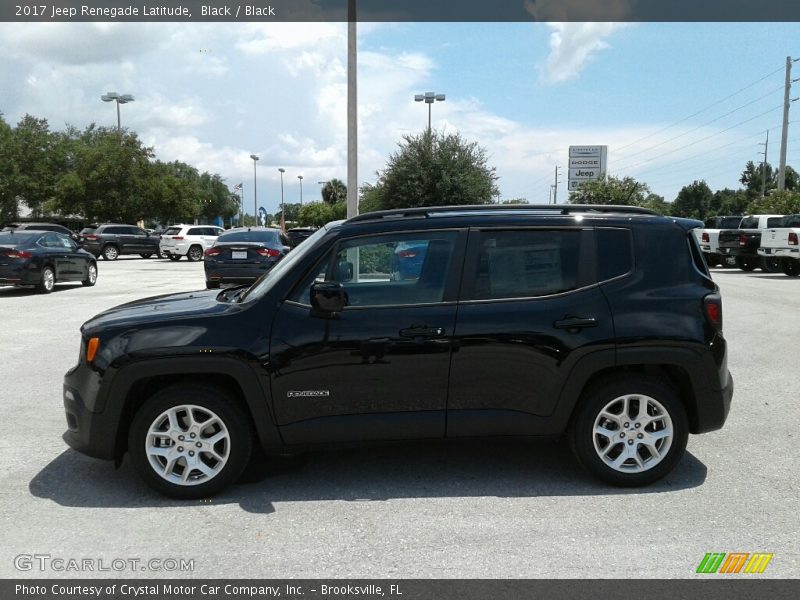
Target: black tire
[790,267]
[174,257]
[146,254]
[110,252]
[91,279]
[47,280]
[712,260]
[206,398]
[746,264]
[770,265]
[583,439]
[195,254]
[212,285]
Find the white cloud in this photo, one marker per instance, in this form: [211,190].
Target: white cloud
[573,46]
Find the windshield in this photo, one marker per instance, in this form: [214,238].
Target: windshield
[263,285]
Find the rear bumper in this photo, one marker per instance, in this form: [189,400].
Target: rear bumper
[780,252]
[236,273]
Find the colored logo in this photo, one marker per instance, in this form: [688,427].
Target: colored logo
[734,562]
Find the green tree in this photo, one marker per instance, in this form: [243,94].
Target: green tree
[8,200]
[317,214]
[780,203]
[624,191]
[334,191]
[728,202]
[433,169]
[694,200]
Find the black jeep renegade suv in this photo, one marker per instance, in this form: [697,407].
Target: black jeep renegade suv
[601,323]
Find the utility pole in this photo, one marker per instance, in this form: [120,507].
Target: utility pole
[787,101]
[764,167]
[555,186]
[352,111]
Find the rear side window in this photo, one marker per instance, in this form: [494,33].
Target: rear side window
[729,223]
[749,223]
[614,253]
[524,264]
[114,230]
[774,221]
[197,231]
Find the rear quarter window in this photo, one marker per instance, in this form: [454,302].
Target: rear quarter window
[614,252]
[172,231]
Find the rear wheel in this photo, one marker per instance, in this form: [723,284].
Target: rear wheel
[746,264]
[174,257]
[630,431]
[195,254]
[111,253]
[189,441]
[91,275]
[790,267]
[713,260]
[770,265]
[145,255]
[47,281]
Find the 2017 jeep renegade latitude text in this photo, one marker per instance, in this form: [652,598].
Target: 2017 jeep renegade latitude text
[601,323]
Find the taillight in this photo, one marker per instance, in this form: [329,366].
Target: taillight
[20,254]
[792,238]
[742,239]
[91,237]
[705,237]
[407,254]
[213,252]
[177,237]
[267,252]
[712,305]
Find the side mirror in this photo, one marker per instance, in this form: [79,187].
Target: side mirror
[328,297]
[344,271]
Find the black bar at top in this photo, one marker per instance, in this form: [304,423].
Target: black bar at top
[400,10]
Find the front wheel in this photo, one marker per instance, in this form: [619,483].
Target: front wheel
[790,267]
[91,275]
[630,431]
[195,254]
[190,441]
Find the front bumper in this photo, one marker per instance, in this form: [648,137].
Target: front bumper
[91,426]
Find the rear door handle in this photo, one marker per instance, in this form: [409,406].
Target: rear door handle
[575,323]
[425,332]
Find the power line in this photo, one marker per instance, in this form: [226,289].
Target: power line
[704,124]
[718,102]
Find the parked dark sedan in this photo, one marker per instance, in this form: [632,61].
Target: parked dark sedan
[243,255]
[42,259]
[42,227]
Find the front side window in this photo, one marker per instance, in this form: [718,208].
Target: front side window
[388,270]
[525,264]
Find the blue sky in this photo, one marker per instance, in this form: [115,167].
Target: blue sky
[212,94]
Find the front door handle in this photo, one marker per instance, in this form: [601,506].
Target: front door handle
[422,332]
[575,323]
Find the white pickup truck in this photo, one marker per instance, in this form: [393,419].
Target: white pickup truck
[742,244]
[708,237]
[781,242]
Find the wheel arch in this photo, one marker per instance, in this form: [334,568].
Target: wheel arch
[136,382]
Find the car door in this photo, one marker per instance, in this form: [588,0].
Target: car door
[57,254]
[529,309]
[78,260]
[379,369]
[141,241]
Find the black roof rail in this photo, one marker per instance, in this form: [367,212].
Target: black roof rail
[563,209]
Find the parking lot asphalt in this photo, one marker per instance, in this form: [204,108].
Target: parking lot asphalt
[472,509]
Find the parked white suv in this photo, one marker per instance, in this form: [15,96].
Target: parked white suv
[190,241]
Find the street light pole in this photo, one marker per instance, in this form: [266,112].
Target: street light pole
[119,99]
[429,98]
[300,177]
[255,188]
[283,210]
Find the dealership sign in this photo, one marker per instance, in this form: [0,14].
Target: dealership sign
[586,163]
